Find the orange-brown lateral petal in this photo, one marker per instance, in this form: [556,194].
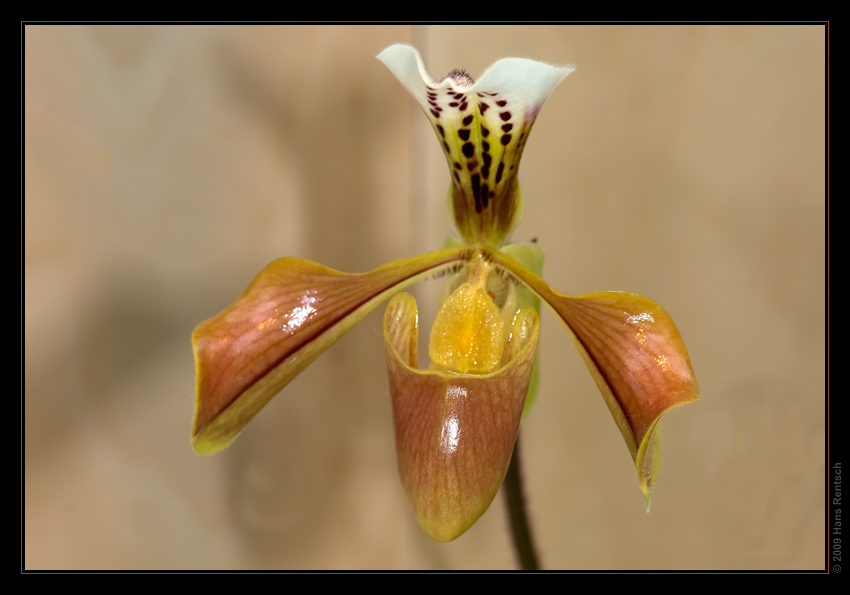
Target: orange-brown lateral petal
[636,356]
[454,432]
[292,311]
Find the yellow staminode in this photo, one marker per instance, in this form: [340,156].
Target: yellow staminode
[470,331]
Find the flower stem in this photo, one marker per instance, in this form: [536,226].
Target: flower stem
[520,527]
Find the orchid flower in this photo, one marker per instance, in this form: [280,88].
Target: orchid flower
[456,421]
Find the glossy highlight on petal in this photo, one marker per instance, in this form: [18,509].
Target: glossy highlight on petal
[289,314]
[454,432]
[636,356]
[483,127]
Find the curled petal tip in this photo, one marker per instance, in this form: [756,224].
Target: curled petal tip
[648,461]
[454,432]
[406,64]
[640,364]
[636,356]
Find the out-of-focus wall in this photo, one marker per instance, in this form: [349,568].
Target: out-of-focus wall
[165,166]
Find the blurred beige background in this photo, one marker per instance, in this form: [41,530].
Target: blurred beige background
[165,166]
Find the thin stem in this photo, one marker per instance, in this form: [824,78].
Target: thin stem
[520,527]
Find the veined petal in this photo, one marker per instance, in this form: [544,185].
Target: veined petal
[454,432]
[290,313]
[636,356]
[483,127]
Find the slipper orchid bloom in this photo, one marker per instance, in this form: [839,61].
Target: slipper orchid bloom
[455,422]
